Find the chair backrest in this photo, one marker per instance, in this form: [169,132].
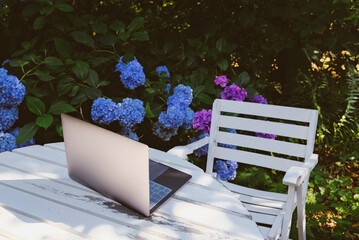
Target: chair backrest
[294,127]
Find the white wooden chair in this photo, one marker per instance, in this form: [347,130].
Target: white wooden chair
[272,211]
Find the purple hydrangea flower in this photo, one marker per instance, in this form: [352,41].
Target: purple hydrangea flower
[259,99]
[132,74]
[266,135]
[104,111]
[162,69]
[221,80]
[12,91]
[127,132]
[202,150]
[168,88]
[234,92]
[164,133]
[131,112]
[226,170]
[202,121]
[172,118]
[7,142]
[8,116]
[29,142]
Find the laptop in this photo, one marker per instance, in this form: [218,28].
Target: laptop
[118,167]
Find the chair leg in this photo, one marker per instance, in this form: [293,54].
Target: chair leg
[301,214]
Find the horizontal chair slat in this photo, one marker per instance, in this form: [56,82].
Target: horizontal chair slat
[263,218]
[262,209]
[261,201]
[267,110]
[255,125]
[253,142]
[255,159]
[255,192]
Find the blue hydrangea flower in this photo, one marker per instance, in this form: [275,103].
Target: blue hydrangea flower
[12,91]
[132,74]
[161,69]
[6,61]
[120,66]
[172,118]
[29,142]
[164,133]
[7,142]
[8,116]
[226,170]
[104,111]
[168,88]
[202,150]
[127,132]
[182,97]
[189,116]
[131,112]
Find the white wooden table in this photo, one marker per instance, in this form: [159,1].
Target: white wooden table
[39,201]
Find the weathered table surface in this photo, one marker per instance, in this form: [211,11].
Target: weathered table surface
[39,201]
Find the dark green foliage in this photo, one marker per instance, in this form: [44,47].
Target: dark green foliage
[296,53]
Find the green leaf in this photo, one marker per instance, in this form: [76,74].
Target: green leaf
[149,112]
[109,40]
[100,28]
[43,76]
[205,98]
[63,47]
[39,23]
[118,26]
[18,63]
[27,132]
[92,93]
[64,7]
[83,37]
[35,105]
[81,69]
[221,44]
[243,78]
[103,83]
[61,107]
[223,64]
[136,23]
[124,35]
[53,61]
[47,10]
[92,79]
[39,92]
[141,36]
[45,121]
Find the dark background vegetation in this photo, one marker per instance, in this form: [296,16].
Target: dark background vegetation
[300,53]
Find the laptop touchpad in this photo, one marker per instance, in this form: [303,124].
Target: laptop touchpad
[156,169]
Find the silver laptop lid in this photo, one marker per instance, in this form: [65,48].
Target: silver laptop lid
[107,162]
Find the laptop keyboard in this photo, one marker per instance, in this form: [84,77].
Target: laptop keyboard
[157,193]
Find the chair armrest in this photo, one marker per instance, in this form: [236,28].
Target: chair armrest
[312,162]
[295,176]
[183,151]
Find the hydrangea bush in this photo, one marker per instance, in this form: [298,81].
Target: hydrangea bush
[130,113]
[12,92]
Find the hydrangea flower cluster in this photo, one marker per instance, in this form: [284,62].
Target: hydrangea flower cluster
[7,142]
[132,74]
[104,111]
[266,135]
[177,114]
[221,80]
[11,89]
[202,120]
[12,92]
[234,92]
[226,170]
[259,99]
[127,132]
[131,112]
[162,69]
[202,150]
[168,88]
